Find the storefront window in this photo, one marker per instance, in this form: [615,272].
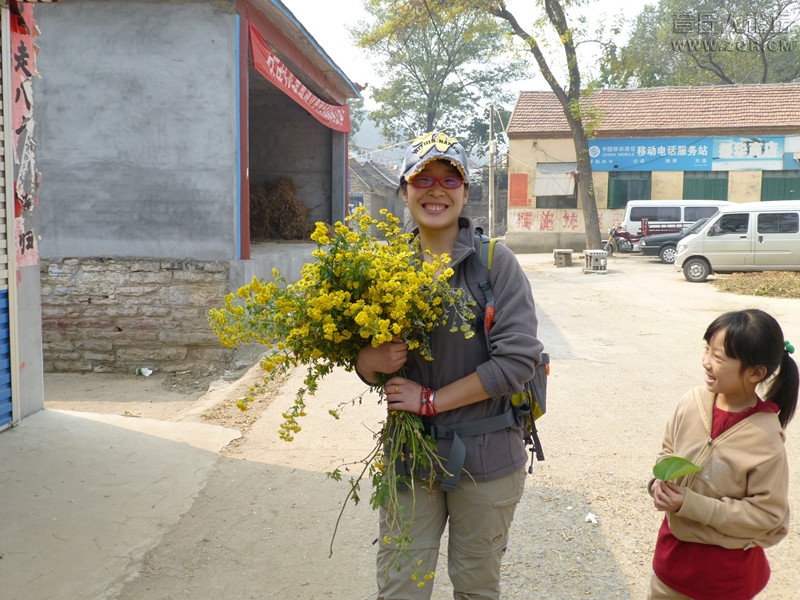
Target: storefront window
[557,201]
[555,185]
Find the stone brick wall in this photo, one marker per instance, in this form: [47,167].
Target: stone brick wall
[114,315]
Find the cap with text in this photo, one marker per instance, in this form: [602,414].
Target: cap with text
[434,146]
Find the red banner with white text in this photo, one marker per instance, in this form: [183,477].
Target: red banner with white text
[270,66]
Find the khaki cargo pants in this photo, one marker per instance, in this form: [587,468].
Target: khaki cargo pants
[479,516]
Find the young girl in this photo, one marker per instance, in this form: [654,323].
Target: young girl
[718,521]
[464,389]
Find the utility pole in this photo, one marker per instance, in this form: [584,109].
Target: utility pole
[492,150]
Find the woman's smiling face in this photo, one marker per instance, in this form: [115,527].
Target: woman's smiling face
[436,207]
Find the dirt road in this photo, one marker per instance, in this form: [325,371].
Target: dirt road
[624,346]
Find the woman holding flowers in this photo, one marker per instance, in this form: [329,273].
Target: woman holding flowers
[462,395]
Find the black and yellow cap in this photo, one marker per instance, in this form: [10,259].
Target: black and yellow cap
[435,145]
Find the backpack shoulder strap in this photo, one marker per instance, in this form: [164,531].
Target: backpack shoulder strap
[479,276]
[487,255]
[487,249]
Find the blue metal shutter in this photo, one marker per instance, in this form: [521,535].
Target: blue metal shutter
[5,248]
[5,362]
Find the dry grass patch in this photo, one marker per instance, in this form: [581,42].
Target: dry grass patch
[243,411]
[774,284]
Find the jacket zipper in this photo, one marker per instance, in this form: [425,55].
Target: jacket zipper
[700,460]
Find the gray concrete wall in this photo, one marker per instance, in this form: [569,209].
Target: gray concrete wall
[29,338]
[137,145]
[137,131]
[287,258]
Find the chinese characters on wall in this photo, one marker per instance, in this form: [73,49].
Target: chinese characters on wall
[26,178]
[545,220]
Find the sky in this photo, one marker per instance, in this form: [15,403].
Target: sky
[327,20]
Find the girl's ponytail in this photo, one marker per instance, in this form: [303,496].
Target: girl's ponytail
[784,388]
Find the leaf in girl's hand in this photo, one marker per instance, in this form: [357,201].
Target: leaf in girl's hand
[673,467]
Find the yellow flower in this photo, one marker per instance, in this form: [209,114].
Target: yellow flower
[357,290]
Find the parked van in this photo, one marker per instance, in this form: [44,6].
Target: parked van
[752,236]
[667,216]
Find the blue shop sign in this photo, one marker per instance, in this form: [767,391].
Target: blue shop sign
[686,154]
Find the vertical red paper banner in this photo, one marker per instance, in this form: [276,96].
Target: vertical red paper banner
[23,70]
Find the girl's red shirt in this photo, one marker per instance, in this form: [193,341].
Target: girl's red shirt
[707,572]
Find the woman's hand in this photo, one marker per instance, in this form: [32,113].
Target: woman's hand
[667,496]
[387,358]
[403,394]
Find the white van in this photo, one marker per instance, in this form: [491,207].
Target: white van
[752,236]
[667,216]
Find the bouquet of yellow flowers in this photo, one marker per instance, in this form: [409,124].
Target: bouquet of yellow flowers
[359,290]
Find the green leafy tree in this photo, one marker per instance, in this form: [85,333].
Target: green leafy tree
[357,115]
[478,130]
[414,29]
[439,67]
[580,118]
[683,42]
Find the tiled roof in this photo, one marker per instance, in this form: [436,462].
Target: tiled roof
[668,111]
[374,175]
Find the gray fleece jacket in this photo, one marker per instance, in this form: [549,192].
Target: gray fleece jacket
[516,353]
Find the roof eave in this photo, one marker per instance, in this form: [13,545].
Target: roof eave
[294,30]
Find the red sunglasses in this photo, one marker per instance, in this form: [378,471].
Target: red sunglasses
[424,182]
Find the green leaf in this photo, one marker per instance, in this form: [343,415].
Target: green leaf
[673,467]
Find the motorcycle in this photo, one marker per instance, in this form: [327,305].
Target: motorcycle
[620,240]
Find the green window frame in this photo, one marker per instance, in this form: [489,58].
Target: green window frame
[627,185]
[705,185]
[780,185]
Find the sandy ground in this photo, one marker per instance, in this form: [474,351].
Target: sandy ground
[624,346]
